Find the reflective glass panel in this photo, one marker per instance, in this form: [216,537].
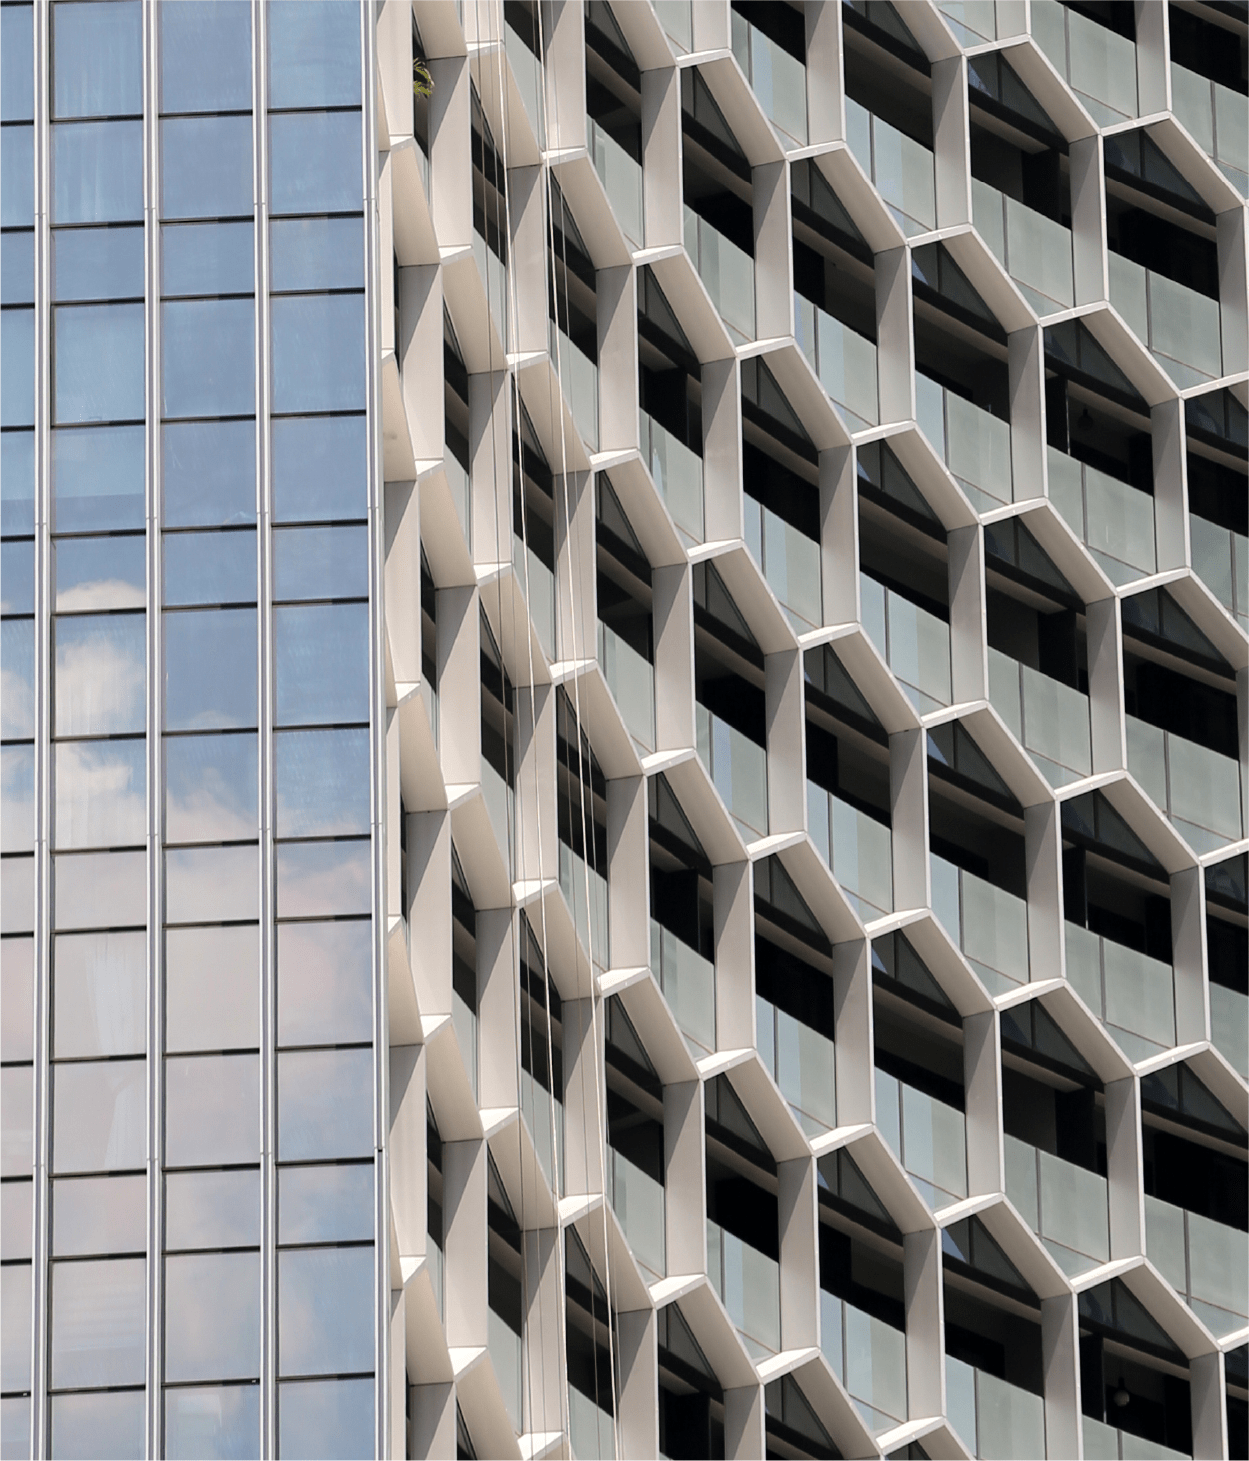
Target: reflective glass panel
[97,479]
[97,352]
[17,367]
[325,1204]
[325,1104]
[17,481]
[212,1109]
[97,172]
[314,54]
[99,1116]
[325,1311]
[212,992]
[17,578]
[326,1418]
[17,671]
[17,992]
[314,163]
[17,83]
[212,1420]
[322,664]
[320,469]
[16,1121]
[320,878]
[17,263]
[98,1323]
[16,1214]
[206,167]
[212,1316]
[206,258]
[107,1424]
[316,253]
[98,1215]
[212,1210]
[17,176]
[205,57]
[17,798]
[322,782]
[207,365]
[210,568]
[210,669]
[209,472]
[15,1294]
[325,982]
[17,895]
[100,889]
[318,352]
[97,59]
[99,573]
[320,563]
[97,263]
[212,884]
[100,793]
[99,987]
[99,674]
[210,788]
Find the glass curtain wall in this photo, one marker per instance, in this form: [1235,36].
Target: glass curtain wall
[191,515]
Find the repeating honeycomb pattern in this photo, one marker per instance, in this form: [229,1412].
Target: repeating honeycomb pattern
[817,746]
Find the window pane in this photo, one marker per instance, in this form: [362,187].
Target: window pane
[97,362]
[325,1313]
[314,163]
[316,253]
[207,365]
[17,367]
[210,568]
[322,664]
[17,482]
[17,263]
[212,1421]
[318,352]
[101,793]
[326,1418]
[17,176]
[16,1218]
[325,1104]
[322,782]
[17,799]
[321,563]
[99,675]
[212,1109]
[209,472]
[17,895]
[207,258]
[17,673]
[97,1323]
[320,469]
[212,1316]
[325,983]
[97,479]
[17,76]
[212,1209]
[16,1121]
[99,1426]
[314,54]
[100,573]
[15,1294]
[212,884]
[206,167]
[97,172]
[17,994]
[99,1116]
[325,1204]
[212,988]
[100,889]
[210,788]
[99,986]
[17,578]
[210,669]
[97,263]
[205,57]
[319,878]
[98,56]
[98,1215]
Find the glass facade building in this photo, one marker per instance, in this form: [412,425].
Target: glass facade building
[625,638]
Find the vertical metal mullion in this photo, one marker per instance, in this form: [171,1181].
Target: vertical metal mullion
[264,621]
[155,757]
[40,1276]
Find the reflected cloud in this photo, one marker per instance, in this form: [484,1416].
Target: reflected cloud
[101,793]
[17,798]
[100,675]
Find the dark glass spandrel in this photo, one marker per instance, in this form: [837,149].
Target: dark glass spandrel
[99,994]
[320,563]
[212,988]
[93,575]
[97,54]
[205,56]
[97,172]
[318,352]
[99,790]
[99,1116]
[17,63]
[99,674]
[315,163]
[326,1204]
[314,53]
[97,264]
[99,1215]
[211,788]
[326,1418]
[320,879]
[210,568]
[206,167]
[207,357]
[98,1324]
[17,265]
[325,982]
[322,782]
[212,884]
[101,1423]
[325,1311]
[209,471]
[316,253]
[212,1421]
[322,663]
[320,469]
[17,367]
[212,1110]
[207,258]
[212,1210]
[325,1104]
[212,1316]
[98,479]
[210,669]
